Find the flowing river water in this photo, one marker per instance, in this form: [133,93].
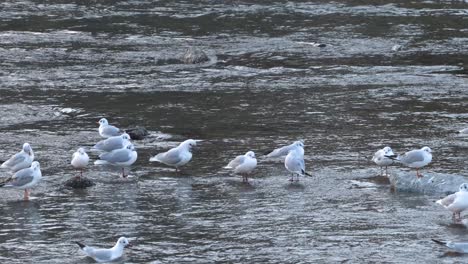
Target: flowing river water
[66,64]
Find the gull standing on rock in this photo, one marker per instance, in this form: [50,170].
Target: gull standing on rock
[294,162]
[123,157]
[20,160]
[113,143]
[417,159]
[24,179]
[383,158]
[457,202]
[106,255]
[80,160]
[177,156]
[243,165]
[283,151]
[106,130]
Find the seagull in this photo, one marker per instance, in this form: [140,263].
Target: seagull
[80,160]
[24,179]
[382,158]
[177,156]
[104,254]
[294,162]
[460,247]
[113,143]
[457,202]
[283,151]
[20,160]
[120,157]
[243,164]
[417,158]
[464,131]
[106,130]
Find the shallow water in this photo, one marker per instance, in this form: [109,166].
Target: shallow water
[264,86]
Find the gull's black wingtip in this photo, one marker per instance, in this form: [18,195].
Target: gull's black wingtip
[80,244]
[438,242]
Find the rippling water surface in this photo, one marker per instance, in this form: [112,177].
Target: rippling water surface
[264,85]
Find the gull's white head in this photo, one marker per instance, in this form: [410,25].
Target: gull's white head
[299,143]
[388,151]
[250,154]
[123,242]
[427,149]
[82,151]
[35,165]
[27,148]
[130,147]
[103,121]
[190,143]
[463,187]
[125,136]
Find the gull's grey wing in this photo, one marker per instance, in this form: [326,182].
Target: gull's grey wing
[99,254]
[458,246]
[447,200]
[109,144]
[279,152]
[170,157]
[111,130]
[236,162]
[412,156]
[120,155]
[16,159]
[21,178]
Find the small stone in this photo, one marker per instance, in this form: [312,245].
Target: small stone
[194,56]
[137,133]
[79,183]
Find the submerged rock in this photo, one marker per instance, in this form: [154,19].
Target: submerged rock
[79,183]
[137,133]
[431,183]
[194,56]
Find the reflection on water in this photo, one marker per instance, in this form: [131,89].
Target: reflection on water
[264,86]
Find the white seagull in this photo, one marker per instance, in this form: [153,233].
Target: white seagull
[460,247]
[177,156]
[464,131]
[24,179]
[113,143]
[123,157]
[80,160]
[243,165]
[20,160]
[104,254]
[283,151]
[382,158]
[106,130]
[457,202]
[417,158]
[294,162]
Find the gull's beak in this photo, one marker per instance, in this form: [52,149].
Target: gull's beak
[129,245]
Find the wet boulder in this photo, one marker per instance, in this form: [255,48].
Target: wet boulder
[194,56]
[431,183]
[137,133]
[79,183]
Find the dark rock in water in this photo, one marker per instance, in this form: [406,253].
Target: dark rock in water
[194,56]
[137,133]
[79,183]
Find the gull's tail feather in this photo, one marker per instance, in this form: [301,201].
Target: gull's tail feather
[306,173]
[100,162]
[80,244]
[393,157]
[439,242]
[155,158]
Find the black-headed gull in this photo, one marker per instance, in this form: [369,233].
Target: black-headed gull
[104,254]
[417,159]
[283,151]
[177,156]
[106,130]
[294,163]
[383,158]
[24,179]
[460,247]
[113,143]
[20,160]
[80,160]
[457,202]
[243,165]
[123,157]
